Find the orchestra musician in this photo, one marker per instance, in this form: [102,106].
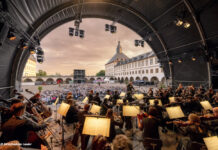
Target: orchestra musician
[192,128]
[96,99]
[179,90]
[113,123]
[130,88]
[84,138]
[90,97]
[17,128]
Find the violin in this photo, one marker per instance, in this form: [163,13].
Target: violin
[180,123]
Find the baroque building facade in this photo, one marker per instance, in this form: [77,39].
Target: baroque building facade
[142,67]
[30,68]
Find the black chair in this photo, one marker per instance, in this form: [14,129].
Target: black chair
[196,146]
[152,144]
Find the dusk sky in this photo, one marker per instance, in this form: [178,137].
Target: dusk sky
[63,53]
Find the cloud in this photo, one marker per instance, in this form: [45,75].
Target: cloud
[64,53]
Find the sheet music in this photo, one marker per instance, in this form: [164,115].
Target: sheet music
[172,99]
[95,109]
[85,100]
[107,96]
[211,142]
[138,96]
[151,101]
[175,112]
[122,94]
[206,105]
[96,126]
[119,101]
[131,110]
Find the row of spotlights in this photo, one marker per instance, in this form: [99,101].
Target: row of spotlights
[111,28]
[180,22]
[76,32]
[139,43]
[180,60]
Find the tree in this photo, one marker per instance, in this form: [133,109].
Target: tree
[41,73]
[100,73]
[58,74]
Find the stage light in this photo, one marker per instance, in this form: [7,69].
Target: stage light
[178,22]
[81,33]
[186,25]
[142,43]
[107,27]
[11,35]
[76,32]
[170,62]
[40,59]
[193,59]
[113,29]
[32,50]
[39,51]
[180,61]
[71,31]
[136,42]
[24,45]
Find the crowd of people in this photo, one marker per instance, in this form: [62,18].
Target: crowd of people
[199,123]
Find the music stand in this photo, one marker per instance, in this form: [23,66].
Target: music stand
[175,112]
[122,94]
[130,111]
[119,101]
[85,100]
[62,110]
[96,125]
[206,105]
[95,109]
[172,99]
[107,96]
[151,101]
[211,142]
[138,96]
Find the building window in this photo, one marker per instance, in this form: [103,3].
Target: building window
[146,62]
[139,64]
[156,70]
[156,60]
[151,71]
[146,71]
[139,71]
[135,72]
[151,61]
[143,72]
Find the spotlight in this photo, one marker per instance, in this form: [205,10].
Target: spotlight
[24,45]
[71,31]
[170,62]
[193,59]
[11,35]
[186,25]
[180,61]
[40,59]
[107,27]
[81,33]
[136,42]
[113,29]
[39,51]
[32,50]
[76,32]
[142,43]
[178,22]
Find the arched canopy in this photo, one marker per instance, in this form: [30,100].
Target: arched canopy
[145,78]
[118,78]
[126,79]
[60,81]
[28,80]
[111,78]
[137,78]
[163,80]
[92,79]
[153,20]
[49,81]
[39,81]
[131,79]
[68,80]
[154,79]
